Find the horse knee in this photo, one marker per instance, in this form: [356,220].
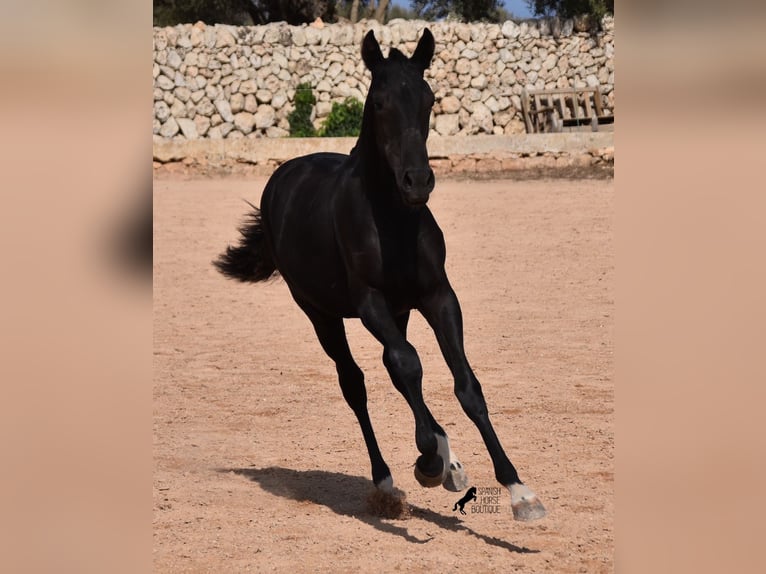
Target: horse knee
[403,362]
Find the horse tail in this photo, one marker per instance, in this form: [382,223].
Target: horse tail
[250,261]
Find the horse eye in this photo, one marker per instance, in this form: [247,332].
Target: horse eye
[377,104]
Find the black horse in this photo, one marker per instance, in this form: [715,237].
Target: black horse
[352,237]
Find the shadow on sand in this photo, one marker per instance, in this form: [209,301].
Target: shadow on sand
[346,495]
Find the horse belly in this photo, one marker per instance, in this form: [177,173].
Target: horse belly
[297,212]
[315,274]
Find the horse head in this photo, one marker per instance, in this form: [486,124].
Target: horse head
[397,111]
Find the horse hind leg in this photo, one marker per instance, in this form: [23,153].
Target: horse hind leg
[332,337]
[351,381]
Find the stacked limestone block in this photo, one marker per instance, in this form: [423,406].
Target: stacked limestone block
[236,82]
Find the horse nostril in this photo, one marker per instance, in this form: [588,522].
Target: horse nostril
[408,182]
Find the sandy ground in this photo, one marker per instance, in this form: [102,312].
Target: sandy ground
[260,465]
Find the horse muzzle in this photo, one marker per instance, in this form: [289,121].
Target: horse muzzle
[416,185]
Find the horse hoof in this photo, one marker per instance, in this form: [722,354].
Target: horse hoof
[428,480]
[525,504]
[456,479]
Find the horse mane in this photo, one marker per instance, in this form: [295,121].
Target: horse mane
[396,56]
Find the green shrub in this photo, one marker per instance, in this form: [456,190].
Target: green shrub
[345,120]
[300,117]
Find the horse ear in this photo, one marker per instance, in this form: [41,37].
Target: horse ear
[425,50]
[371,53]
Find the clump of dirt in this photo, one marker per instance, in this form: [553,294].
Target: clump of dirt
[388,504]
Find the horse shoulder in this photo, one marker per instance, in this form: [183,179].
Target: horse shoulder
[356,233]
[432,255]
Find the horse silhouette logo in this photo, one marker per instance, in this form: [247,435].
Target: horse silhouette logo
[470,495]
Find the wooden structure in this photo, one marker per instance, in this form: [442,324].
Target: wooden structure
[565,109]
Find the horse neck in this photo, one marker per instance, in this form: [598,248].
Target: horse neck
[371,163]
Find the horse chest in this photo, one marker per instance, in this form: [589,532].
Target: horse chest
[399,261]
[398,254]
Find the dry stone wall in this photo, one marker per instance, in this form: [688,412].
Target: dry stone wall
[239,82]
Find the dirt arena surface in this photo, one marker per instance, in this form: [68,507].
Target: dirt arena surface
[261,467]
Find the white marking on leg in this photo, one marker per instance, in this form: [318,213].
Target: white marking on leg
[443,450]
[386,485]
[525,504]
[520,492]
[453,477]
[453,461]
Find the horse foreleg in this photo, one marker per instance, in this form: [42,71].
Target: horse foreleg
[403,365]
[454,477]
[332,336]
[442,311]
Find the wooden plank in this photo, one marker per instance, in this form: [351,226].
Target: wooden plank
[588,112]
[547,101]
[576,122]
[526,112]
[538,106]
[597,103]
[561,91]
[576,106]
